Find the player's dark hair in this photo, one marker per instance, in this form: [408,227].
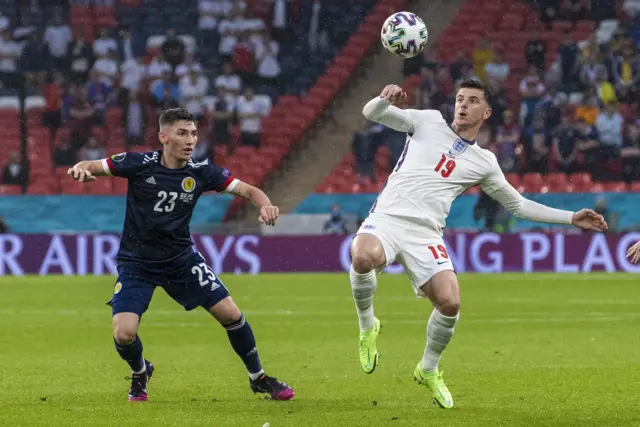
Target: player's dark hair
[477,84]
[173,115]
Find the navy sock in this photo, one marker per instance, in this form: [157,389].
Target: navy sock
[244,344]
[131,353]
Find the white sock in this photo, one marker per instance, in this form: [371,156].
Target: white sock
[363,286]
[439,332]
[256,375]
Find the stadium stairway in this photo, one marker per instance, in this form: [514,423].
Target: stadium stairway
[331,139]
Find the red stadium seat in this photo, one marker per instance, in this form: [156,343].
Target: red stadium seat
[10,190]
[557,182]
[581,181]
[615,187]
[635,186]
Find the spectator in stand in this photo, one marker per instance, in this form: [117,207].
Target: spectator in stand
[100,95]
[538,156]
[589,147]
[507,139]
[58,36]
[575,10]
[165,102]
[548,12]
[606,91]
[459,66]
[535,52]
[53,93]
[588,110]
[569,54]
[228,80]
[626,74]
[103,44]
[630,153]
[497,70]
[173,49]
[244,59]
[365,146]
[9,55]
[318,35]
[499,105]
[81,60]
[281,18]
[158,67]
[107,68]
[565,147]
[228,30]
[129,46]
[34,62]
[134,118]
[14,171]
[188,65]
[4,228]
[159,86]
[81,118]
[250,111]
[5,22]
[555,111]
[222,118]
[92,150]
[336,224]
[133,73]
[482,55]
[609,126]
[193,88]
[24,31]
[211,12]
[64,155]
[602,10]
[254,27]
[531,89]
[269,69]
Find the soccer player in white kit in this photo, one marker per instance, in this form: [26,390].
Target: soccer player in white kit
[439,162]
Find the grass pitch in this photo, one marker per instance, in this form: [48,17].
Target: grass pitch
[530,350]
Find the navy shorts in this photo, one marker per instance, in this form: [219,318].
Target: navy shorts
[192,284]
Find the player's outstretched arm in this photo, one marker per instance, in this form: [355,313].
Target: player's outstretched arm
[497,187]
[268,212]
[87,170]
[381,110]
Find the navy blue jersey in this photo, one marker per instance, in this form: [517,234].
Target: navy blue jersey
[160,203]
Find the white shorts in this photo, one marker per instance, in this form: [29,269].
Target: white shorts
[421,251]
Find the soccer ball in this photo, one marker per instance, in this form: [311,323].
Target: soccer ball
[404,34]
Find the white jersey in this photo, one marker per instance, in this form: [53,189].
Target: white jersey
[437,165]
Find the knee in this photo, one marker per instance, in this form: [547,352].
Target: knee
[364,260]
[449,306]
[124,335]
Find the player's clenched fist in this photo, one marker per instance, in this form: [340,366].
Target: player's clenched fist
[82,175]
[269,215]
[393,94]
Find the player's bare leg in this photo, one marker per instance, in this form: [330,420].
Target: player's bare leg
[444,293]
[129,347]
[244,344]
[367,254]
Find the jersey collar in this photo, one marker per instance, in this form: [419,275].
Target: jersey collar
[472,142]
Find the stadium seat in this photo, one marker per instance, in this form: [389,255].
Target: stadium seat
[581,181]
[10,190]
[615,187]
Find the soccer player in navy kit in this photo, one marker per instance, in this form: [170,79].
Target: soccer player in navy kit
[156,247]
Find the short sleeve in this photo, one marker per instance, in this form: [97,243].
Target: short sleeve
[124,165]
[218,179]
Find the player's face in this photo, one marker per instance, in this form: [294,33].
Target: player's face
[179,139]
[471,108]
